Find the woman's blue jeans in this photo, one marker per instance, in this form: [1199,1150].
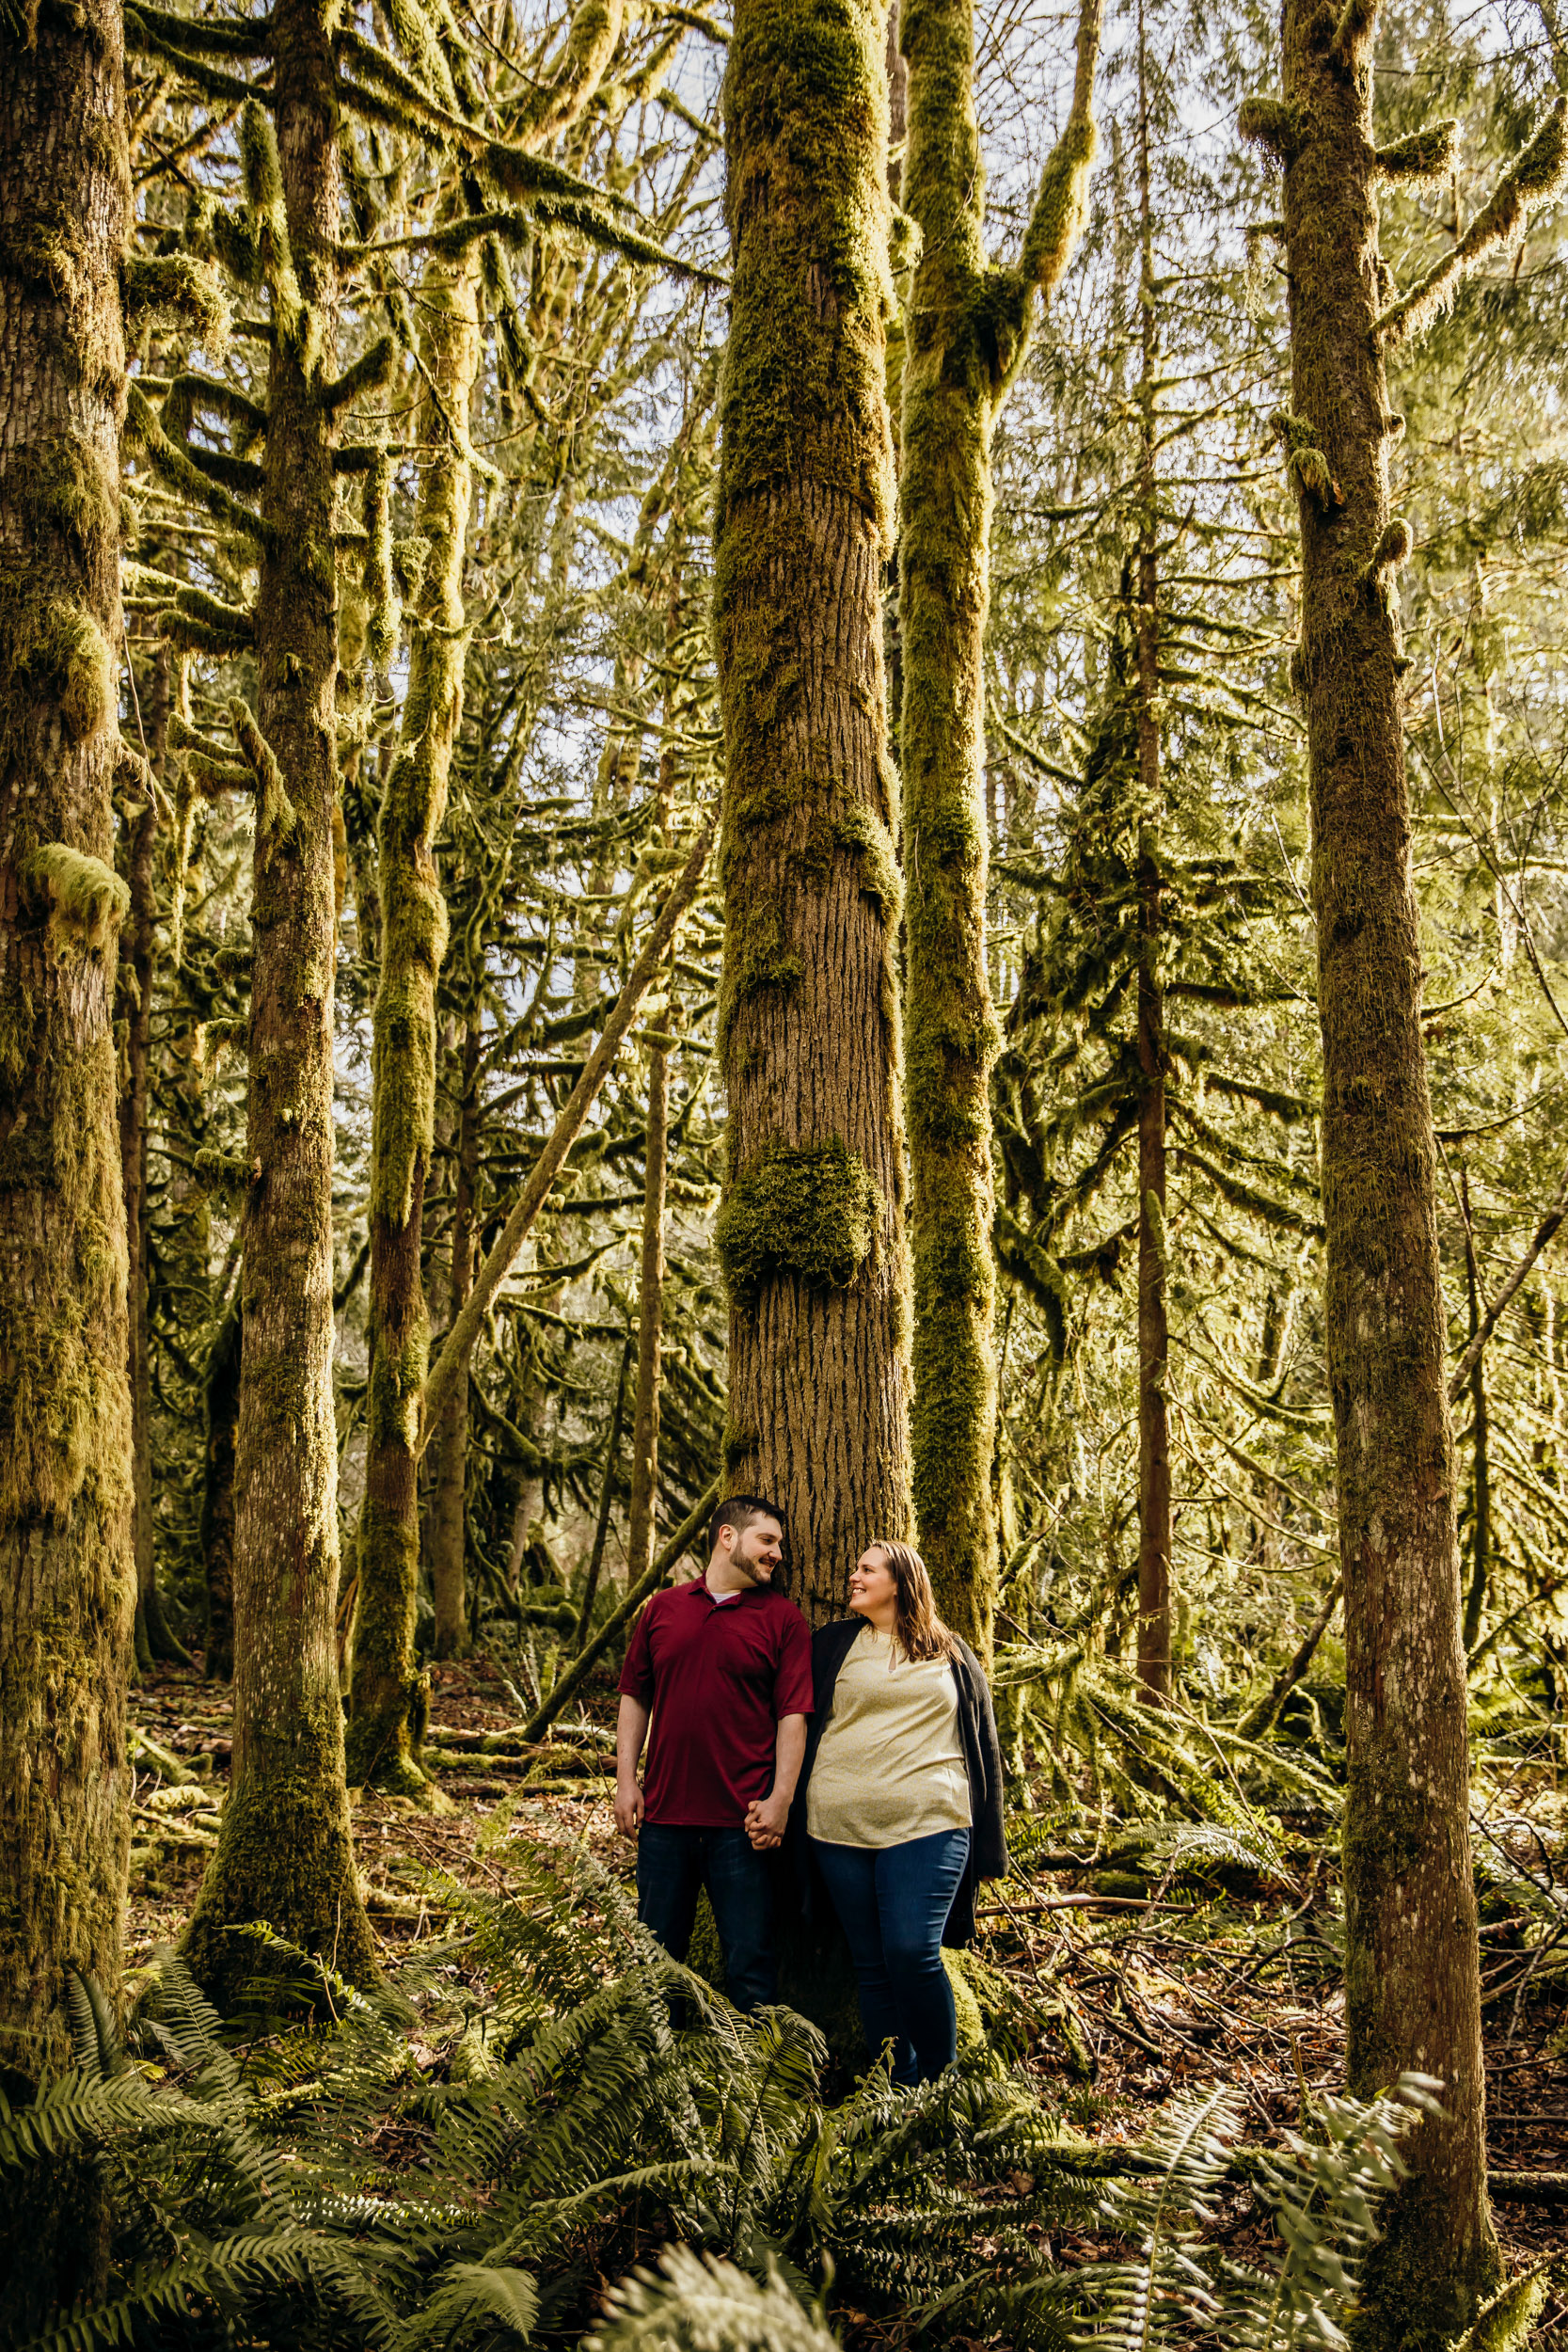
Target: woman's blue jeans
[893,1903]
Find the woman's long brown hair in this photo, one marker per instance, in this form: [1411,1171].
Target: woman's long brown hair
[920,1630]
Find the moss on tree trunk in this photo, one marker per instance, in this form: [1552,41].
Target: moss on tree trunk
[284,1853]
[388,1693]
[1412,1980]
[67,1561]
[449,1514]
[967,327]
[812,1229]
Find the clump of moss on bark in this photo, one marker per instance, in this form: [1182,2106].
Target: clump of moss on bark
[810,1212]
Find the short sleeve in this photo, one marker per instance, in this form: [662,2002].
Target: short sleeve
[636,1674]
[792,1679]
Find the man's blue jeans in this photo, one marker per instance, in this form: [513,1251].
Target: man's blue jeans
[674,1864]
[893,1903]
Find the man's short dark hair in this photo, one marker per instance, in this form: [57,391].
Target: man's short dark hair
[739,1512]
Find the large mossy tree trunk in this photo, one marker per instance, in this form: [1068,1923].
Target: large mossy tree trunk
[388,1693]
[448,1509]
[811,1233]
[1412,1975]
[284,1853]
[967,329]
[67,1561]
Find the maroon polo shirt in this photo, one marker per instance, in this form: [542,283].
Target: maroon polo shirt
[719,1676]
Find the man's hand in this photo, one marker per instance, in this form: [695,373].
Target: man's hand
[628,1808]
[766,1820]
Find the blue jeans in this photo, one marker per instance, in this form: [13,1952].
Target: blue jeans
[673,1864]
[893,1903]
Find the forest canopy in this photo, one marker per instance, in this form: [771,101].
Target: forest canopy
[812,750]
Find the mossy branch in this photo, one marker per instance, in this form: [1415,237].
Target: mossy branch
[1062,206]
[1275,125]
[1391,553]
[1354,31]
[212,82]
[370,372]
[275,815]
[86,900]
[1424,155]
[174,467]
[247,37]
[295,320]
[174,290]
[453,1361]
[1535,179]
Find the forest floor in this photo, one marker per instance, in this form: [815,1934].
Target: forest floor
[1113,2000]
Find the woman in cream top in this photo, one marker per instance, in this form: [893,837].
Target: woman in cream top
[902,1767]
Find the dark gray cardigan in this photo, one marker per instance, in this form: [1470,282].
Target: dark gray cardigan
[830,1645]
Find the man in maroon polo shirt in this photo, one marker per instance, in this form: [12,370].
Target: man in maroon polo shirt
[724,1665]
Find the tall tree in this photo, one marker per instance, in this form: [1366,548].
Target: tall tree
[968,329]
[67,1567]
[284,1853]
[1411,1968]
[811,1234]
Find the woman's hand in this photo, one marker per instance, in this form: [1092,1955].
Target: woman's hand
[767,1818]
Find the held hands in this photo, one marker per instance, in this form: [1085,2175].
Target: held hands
[766,1817]
[628,1808]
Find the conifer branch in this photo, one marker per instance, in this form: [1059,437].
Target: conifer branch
[1275,125]
[141,36]
[1535,179]
[243,37]
[1425,155]
[370,372]
[1549,1224]
[453,1358]
[174,288]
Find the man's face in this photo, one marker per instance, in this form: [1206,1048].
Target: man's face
[758,1550]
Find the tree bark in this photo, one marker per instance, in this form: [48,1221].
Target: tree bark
[222,1405]
[967,327]
[1480,1488]
[1154,1529]
[811,1234]
[284,1853]
[650,1326]
[1412,1971]
[66,1560]
[388,1693]
[449,1514]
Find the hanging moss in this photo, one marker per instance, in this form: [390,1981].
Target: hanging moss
[810,1213]
[86,900]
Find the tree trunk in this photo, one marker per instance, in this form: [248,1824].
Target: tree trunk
[284,1853]
[650,1326]
[1154,1531]
[389,1693]
[1480,1491]
[968,326]
[1411,1973]
[811,1234]
[222,1402]
[449,1514]
[606,1503]
[66,1561]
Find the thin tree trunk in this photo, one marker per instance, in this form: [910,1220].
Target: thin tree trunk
[811,1234]
[66,1560]
[650,1325]
[449,1514]
[1481,1517]
[388,1691]
[284,1853]
[606,1503]
[221,1403]
[968,325]
[1411,1968]
[1154,1534]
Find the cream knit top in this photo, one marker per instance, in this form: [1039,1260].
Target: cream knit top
[891,1764]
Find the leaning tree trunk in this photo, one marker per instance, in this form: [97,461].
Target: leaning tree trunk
[968,325]
[448,1511]
[1412,1979]
[389,1693]
[811,1234]
[66,1565]
[284,1853]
